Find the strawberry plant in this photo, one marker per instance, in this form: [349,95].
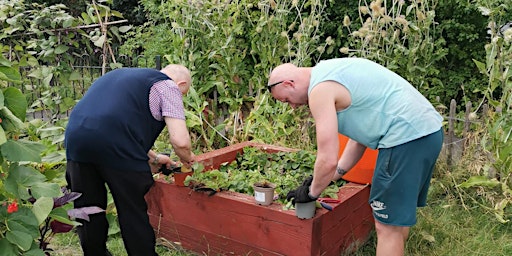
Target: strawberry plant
[284,169]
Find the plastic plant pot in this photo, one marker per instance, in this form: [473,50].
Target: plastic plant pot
[305,210]
[264,193]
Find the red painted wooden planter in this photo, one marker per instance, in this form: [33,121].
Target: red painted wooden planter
[229,223]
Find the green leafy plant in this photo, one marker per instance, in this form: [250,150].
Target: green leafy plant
[32,204]
[496,184]
[286,170]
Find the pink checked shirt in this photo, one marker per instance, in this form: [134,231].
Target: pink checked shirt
[165,99]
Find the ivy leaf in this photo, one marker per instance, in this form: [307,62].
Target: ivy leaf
[22,150]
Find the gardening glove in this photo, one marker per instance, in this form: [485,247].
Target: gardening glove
[167,171]
[301,194]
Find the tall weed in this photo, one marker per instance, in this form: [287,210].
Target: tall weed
[494,182]
[399,35]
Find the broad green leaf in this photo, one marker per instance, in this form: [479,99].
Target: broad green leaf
[42,208]
[54,157]
[116,13]
[34,251]
[67,23]
[45,190]
[36,73]
[21,239]
[22,150]
[60,214]
[61,49]
[4,62]
[113,227]
[2,99]
[479,181]
[26,176]
[124,29]
[100,41]
[15,225]
[7,249]
[26,217]
[481,66]
[87,20]
[16,102]
[47,79]
[75,76]
[10,74]
[3,139]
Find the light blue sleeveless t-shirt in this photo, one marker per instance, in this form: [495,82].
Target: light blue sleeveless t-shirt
[386,110]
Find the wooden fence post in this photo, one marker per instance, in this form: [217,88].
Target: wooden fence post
[467,124]
[451,118]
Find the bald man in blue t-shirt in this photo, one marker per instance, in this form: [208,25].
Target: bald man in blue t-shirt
[377,109]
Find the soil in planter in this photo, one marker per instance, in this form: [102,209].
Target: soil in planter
[264,185]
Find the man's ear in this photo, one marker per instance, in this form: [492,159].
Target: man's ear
[183,86]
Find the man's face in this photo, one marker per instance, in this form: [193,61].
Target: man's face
[287,92]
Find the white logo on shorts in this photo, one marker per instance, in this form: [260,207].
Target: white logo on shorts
[378,206]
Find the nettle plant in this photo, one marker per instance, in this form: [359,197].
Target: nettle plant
[286,170]
[33,207]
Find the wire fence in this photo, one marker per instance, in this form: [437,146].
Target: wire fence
[459,128]
[54,99]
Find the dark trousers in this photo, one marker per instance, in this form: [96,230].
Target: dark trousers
[128,189]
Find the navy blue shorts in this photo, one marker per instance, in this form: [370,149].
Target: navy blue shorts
[402,178]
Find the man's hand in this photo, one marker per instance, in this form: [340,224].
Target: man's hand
[301,194]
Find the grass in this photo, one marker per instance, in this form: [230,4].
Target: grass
[69,245]
[445,227]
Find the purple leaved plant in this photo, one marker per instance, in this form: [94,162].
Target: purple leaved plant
[52,226]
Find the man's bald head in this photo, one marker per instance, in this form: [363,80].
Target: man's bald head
[180,75]
[282,72]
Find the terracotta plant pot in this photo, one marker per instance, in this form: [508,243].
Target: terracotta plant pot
[179,178]
[264,193]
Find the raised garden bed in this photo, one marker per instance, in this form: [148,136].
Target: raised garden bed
[230,223]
